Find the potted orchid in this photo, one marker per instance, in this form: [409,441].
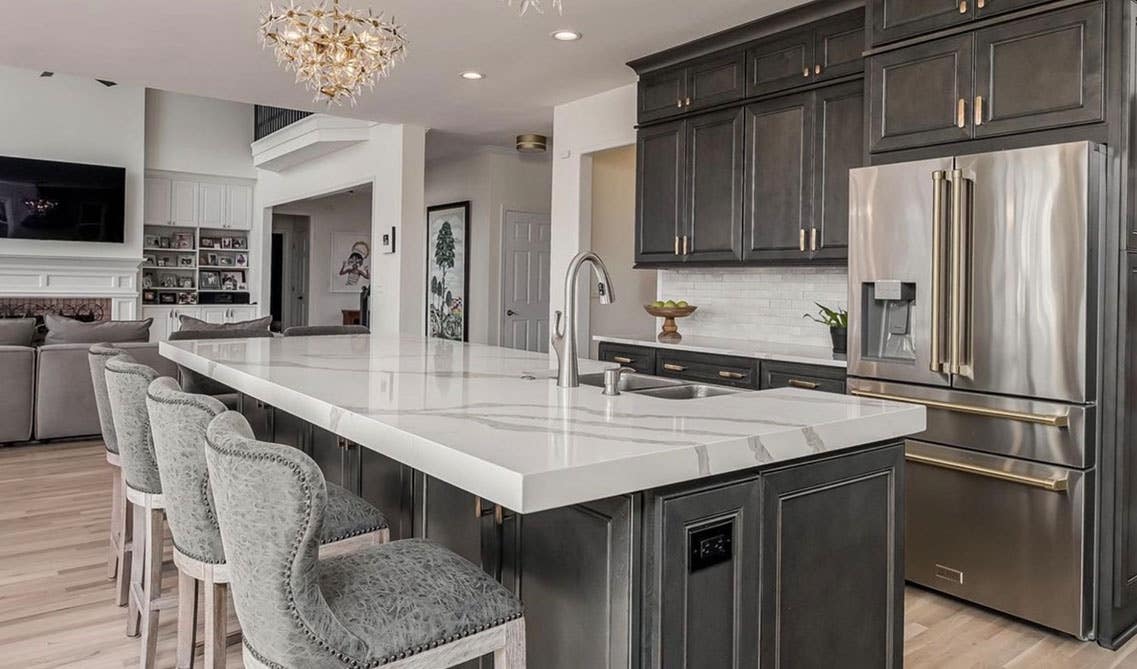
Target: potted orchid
[837,320]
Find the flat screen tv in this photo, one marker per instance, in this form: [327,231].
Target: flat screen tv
[43,199]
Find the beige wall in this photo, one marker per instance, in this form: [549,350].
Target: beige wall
[613,238]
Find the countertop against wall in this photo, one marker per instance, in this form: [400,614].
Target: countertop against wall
[808,355]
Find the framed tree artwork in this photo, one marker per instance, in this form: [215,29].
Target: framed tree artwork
[447,270]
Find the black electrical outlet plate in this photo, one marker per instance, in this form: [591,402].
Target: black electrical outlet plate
[710,546]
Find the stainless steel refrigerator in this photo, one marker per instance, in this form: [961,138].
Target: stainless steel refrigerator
[973,287]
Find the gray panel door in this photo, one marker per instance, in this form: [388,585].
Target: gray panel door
[838,147]
[1040,72]
[896,19]
[715,80]
[661,94]
[838,44]
[1025,280]
[779,171]
[659,192]
[715,150]
[1125,519]
[917,94]
[779,63]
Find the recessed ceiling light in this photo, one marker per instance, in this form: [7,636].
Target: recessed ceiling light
[566,35]
[472,76]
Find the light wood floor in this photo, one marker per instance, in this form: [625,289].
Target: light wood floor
[56,606]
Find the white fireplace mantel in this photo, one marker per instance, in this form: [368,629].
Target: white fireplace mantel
[37,276]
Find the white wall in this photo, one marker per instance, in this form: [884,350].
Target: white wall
[603,121]
[493,181]
[187,133]
[613,239]
[337,213]
[392,160]
[76,119]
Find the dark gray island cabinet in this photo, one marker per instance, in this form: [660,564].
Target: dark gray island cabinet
[760,528]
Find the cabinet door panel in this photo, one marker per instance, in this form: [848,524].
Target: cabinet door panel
[1041,72]
[639,358]
[993,7]
[239,207]
[716,80]
[839,147]
[157,201]
[714,186]
[838,44]
[211,212]
[916,92]
[1125,523]
[896,19]
[661,94]
[184,210]
[707,367]
[659,192]
[779,63]
[779,136]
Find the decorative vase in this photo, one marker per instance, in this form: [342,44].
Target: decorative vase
[840,339]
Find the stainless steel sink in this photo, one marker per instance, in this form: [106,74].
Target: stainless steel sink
[688,391]
[629,382]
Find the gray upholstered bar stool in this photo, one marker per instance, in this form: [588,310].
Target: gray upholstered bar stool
[179,421]
[404,604]
[118,561]
[192,382]
[127,381]
[320,330]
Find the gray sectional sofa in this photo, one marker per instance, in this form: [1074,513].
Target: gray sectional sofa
[46,391]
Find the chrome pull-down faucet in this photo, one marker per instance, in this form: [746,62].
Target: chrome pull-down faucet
[564,333]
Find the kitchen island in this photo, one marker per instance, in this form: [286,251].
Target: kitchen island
[638,530]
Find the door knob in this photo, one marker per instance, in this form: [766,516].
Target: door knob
[510,312]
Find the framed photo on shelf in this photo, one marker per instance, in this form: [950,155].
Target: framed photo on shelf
[167,298]
[185,261]
[150,241]
[211,259]
[183,240]
[165,261]
[240,243]
[225,261]
[226,242]
[232,281]
[206,242]
[242,260]
[147,280]
[447,270]
[210,281]
[187,298]
[185,282]
[149,260]
[163,242]
[168,281]
[149,297]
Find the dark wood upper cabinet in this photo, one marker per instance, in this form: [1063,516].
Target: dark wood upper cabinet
[985,8]
[892,20]
[661,94]
[1040,72]
[779,63]
[713,196]
[837,46]
[779,169]
[715,80]
[920,95]
[660,175]
[838,147]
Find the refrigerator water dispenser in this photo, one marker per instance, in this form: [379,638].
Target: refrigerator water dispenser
[888,329]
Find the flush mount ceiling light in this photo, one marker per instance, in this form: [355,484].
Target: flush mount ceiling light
[532,143]
[470,75]
[335,52]
[566,35]
[537,6]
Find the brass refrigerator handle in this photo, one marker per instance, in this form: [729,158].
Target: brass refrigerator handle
[1021,416]
[1053,485]
[813,239]
[684,244]
[956,268]
[801,239]
[676,244]
[961,113]
[979,106]
[936,351]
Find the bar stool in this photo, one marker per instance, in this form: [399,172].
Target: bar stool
[178,421]
[404,604]
[118,560]
[126,388]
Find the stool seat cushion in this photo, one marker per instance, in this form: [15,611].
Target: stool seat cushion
[405,597]
[348,515]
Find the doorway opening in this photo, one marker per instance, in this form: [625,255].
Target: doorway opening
[290,263]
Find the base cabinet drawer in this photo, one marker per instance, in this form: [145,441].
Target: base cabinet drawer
[806,377]
[706,368]
[639,358]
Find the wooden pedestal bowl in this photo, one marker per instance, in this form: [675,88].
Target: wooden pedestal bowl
[670,332]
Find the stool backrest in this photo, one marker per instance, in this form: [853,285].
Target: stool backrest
[192,382]
[270,505]
[97,357]
[126,388]
[320,330]
[178,421]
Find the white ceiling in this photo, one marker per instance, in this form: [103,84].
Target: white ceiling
[209,47]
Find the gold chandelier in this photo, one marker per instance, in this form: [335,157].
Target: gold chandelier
[334,51]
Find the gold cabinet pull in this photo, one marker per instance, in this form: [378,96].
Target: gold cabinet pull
[688,102]
[813,239]
[676,244]
[679,103]
[684,244]
[623,360]
[986,412]
[980,3]
[798,383]
[731,375]
[979,107]
[962,6]
[1053,485]
[961,113]
[801,239]
[805,72]
[671,367]
[817,69]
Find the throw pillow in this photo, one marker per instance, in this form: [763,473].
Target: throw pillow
[197,325]
[17,331]
[63,330]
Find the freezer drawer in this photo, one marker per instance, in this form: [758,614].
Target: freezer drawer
[1007,534]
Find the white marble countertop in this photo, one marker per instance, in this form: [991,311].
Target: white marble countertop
[490,421]
[809,355]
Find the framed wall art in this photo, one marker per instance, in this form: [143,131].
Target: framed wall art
[447,270]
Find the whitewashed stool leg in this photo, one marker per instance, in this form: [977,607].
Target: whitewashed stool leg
[216,626]
[137,570]
[114,549]
[187,620]
[512,654]
[125,544]
[153,586]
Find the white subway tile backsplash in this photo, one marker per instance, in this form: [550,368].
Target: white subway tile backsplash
[762,303]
